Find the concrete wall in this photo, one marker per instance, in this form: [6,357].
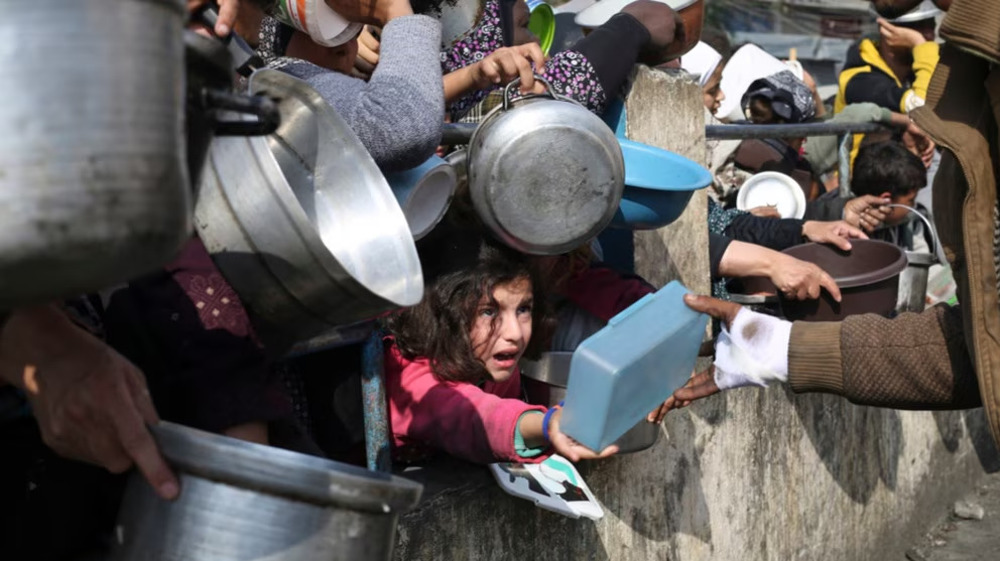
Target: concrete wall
[751,474]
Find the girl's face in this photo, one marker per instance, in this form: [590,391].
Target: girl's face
[712,91]
[502,328]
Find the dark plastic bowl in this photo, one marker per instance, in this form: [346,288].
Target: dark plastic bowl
[868,277]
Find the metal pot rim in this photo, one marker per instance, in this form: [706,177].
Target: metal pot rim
[281,472]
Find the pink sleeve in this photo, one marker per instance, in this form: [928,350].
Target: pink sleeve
[603,292]
[459,418]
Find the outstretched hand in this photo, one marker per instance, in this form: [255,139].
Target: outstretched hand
[570,449]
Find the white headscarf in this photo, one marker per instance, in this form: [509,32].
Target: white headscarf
[701,61]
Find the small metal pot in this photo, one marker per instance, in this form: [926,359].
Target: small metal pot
[913,280]
[93,186]
[545,383]
[302,224]
[545,174]
[242,501]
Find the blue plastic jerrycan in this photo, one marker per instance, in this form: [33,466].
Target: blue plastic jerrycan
[628,368]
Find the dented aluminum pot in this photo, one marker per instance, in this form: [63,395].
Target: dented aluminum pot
[242,501]
[93,184]
[545,174]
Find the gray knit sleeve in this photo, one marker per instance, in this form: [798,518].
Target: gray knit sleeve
[398,114]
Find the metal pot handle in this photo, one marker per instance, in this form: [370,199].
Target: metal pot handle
[506,90]
[264,108]
[937,249]
[245,60]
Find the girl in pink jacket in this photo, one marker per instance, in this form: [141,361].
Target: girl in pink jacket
[451,362]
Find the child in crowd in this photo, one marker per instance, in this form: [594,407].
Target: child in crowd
[451,362]
[887,169]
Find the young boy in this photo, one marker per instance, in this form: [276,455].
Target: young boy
[887,168]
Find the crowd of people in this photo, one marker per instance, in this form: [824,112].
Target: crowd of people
[81,380]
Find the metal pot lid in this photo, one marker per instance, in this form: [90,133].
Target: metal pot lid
[547,175]
[281,472]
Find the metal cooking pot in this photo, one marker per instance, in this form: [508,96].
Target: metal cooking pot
[210,94]
[913,280]
[243,501]
[93,186]
[545,383]
[545,174]
[302,224]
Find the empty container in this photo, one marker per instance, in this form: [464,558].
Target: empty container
[628,368]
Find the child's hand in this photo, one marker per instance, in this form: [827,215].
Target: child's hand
[571,449]
[866,211]
[506,63]
[368,52]
[899,36]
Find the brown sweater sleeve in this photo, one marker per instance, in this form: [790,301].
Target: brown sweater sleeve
[915,361]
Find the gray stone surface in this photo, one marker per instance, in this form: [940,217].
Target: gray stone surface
[665,110]
[749,475]
[956,538]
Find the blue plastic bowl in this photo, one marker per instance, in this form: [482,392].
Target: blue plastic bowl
[658,186]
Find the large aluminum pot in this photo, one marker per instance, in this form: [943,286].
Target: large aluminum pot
[302,224]
[241,501]
[545,382]
[545,174]
[93,186]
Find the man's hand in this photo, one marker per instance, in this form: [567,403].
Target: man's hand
[836,233]
[91,403]
[917,141]
[899,37]
[866,211]
[801,280]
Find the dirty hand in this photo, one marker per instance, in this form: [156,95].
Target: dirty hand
[666,30]
[507,63]
[836,233]
[801,280]
[917,142]
[571,449]
[656,415]
[228,10]
[368,52]
[867,211]
[899,36]
[766,211]
[91,403]
[374,12]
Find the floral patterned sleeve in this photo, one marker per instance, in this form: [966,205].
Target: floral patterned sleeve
[569,72]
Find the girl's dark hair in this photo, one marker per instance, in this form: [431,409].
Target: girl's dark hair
[460,268]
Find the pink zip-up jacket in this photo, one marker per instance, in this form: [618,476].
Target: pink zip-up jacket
[462,419]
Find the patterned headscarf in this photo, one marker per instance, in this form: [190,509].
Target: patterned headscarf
[790,98]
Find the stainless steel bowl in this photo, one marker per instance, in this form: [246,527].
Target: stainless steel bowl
[241,501]
[545,383]
[303,224]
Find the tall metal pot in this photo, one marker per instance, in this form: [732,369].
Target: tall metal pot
[241,501]
[93,186]
[545,174]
